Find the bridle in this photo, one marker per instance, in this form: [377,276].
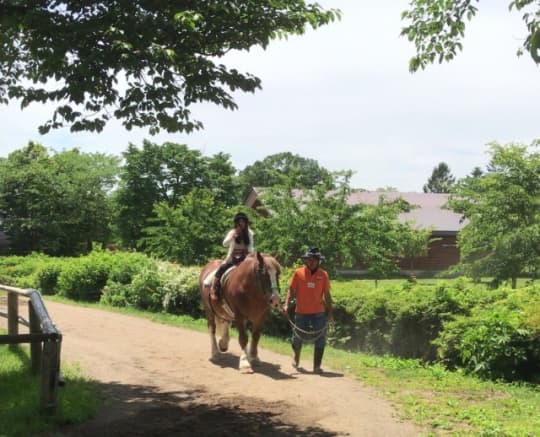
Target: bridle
[270,289]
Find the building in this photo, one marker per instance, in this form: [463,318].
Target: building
[427,211]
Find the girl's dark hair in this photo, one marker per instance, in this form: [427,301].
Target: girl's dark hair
[244,236]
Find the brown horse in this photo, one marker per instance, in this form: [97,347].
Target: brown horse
[247,292]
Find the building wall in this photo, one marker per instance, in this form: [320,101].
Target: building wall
[442,253]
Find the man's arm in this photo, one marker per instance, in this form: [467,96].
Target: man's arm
[291,292]
[328,303]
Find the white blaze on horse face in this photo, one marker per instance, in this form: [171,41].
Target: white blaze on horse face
[274,298]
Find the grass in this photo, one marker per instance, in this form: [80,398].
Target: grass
[20,413]
[441,401]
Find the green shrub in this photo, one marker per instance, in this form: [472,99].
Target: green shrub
[500,341]
[125,265]
[419,316]
[83,279]
[179,289]
[144,291]
[363,320]
[47,278]
[115,294]
[21,271]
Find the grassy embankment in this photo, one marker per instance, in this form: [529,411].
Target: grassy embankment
[19,396]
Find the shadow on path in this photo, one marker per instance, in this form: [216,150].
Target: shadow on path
[273,371]
[131,410]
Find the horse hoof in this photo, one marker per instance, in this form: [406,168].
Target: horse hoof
[244,364]
[223,348]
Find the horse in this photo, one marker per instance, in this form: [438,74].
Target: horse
[247,292]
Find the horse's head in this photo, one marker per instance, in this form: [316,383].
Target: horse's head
[268,271]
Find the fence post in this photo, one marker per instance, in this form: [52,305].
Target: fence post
[13,316]
[35,348]
[49,375]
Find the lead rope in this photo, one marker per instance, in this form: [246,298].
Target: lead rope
[309,334]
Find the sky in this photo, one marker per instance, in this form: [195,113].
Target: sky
[343,96]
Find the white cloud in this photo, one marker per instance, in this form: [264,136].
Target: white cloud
[343,95]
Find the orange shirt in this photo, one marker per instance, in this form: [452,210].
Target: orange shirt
[309,289]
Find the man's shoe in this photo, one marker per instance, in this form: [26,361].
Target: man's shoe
[317,360]
[296,359]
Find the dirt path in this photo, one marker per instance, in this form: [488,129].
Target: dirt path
[158,381]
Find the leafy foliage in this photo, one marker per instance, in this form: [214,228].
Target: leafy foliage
[347,234]
[83,278]
[500,341]
[437,28]
[187,233]
[144,63]
[283,168]
[491,333]
[502,238]
[57,204]
[163,175]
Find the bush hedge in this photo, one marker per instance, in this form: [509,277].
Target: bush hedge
[492,333]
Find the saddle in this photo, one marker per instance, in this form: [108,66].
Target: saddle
[223,303]
[224,278]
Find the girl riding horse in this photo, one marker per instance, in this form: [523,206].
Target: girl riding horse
[239,240]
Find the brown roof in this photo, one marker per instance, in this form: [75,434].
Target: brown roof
[430,211]
[428,208]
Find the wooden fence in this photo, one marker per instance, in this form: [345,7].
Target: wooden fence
[44,338]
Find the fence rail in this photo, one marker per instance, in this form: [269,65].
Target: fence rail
[44,338]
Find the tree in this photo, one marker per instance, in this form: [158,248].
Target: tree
[276,169]
[437,27]
[502,238]
[142,62]
[476,172]
[441,180]
[188,233]
[347,234]
[167,173]
[57,204]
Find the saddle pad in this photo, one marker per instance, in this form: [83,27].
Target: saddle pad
[210,277]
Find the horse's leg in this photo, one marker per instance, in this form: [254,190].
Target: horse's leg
[243,340]
[255,336]
[212,332]
[223,332]
[211,323]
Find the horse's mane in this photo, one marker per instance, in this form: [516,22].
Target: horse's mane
[269,260]
[272,262]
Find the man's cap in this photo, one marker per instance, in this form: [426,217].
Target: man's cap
[314,252]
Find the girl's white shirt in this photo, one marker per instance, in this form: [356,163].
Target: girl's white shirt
[230,243]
